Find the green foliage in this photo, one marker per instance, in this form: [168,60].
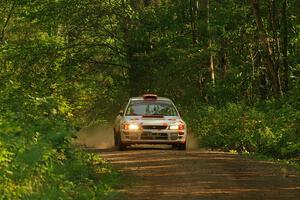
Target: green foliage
[73,63]
[37,160]
[270,128]
[51,69]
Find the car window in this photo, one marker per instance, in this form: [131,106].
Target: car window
[139,108]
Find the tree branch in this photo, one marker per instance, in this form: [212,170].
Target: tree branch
[108,63]
[7,21]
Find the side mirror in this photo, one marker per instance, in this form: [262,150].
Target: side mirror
[121,112]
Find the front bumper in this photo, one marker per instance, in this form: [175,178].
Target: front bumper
[153,137]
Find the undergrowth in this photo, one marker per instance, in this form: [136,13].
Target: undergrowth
[38,160]
[270,128]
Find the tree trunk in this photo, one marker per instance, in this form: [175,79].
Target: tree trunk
[212,67]
[285,47]
[192,22]
[137,4]
[2,37]
[273,71]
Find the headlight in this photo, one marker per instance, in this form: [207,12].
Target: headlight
[131,126]
[177,127]
[174,127]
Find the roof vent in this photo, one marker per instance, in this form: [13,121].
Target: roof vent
[150,96]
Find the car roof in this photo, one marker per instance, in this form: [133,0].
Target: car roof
[142,98]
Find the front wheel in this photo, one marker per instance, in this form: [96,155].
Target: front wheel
[118,143]
[181,147]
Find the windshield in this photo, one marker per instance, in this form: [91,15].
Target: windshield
[140,108]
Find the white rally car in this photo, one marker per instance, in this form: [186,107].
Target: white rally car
[150,120]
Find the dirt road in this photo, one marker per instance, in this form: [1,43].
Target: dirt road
[163,174]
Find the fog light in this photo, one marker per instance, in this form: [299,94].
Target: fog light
[174,136]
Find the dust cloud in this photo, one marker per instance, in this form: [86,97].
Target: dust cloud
[96,137]
[192,142]
[103,138]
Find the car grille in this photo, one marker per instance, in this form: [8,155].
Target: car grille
[154,127]
[154,136]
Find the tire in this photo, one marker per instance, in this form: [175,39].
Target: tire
[174,146]
[180,147]
[118,143]
[115,138]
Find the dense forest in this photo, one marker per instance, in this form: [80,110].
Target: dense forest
[231,66]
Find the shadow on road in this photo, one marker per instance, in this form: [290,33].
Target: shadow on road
[166,174]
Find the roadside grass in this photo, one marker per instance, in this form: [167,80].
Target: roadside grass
[293,164]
